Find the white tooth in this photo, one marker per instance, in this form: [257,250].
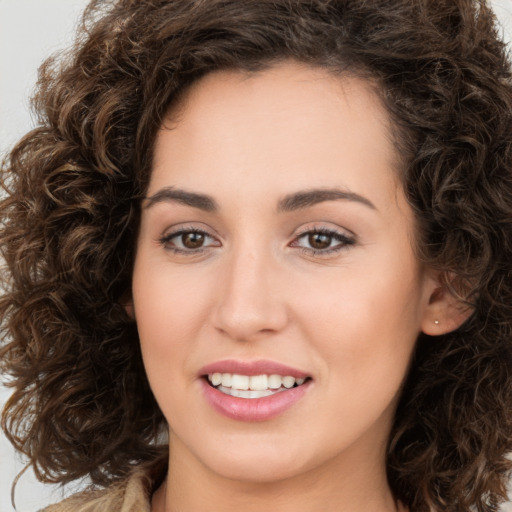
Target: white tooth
[239,381]
[226,380]
[226,391]
[216,379]
[256,393]
[258,382]
[234,392]
[210,377]
[274,381]
[262,393]
[288,381]
[239,393]
[300,381]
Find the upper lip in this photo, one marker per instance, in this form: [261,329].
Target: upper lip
[259,367]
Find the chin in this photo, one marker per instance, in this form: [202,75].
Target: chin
[260,465]
[249,472]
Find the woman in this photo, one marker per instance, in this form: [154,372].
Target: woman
[279,232]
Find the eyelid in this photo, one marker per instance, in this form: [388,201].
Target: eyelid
[325,228]
[345,237]
[180,229]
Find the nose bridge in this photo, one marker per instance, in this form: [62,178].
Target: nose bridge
[249,300]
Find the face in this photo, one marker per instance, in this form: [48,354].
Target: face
[275,253]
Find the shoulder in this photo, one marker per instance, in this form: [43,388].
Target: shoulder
[130,495]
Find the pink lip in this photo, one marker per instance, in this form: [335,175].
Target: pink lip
[252,409]
[260,367]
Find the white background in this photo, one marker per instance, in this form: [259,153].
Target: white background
[29,31]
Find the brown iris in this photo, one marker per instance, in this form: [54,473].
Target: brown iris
[319,240]
[192,240]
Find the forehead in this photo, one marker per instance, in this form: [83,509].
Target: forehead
[285,87]
[287,122]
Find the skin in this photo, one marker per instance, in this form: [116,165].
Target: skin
[347,315]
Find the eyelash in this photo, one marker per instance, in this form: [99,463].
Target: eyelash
[344,241]
[166,240]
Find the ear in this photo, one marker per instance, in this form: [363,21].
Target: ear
[445,311]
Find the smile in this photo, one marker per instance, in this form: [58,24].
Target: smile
[253,386]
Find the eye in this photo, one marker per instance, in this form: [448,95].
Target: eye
[323,241]
[188,240]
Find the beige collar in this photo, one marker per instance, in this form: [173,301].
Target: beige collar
[131,495]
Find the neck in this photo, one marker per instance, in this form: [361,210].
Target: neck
[343,484]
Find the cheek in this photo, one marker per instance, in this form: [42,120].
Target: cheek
[364,322]
[363,339]
[169,313]
[167,304]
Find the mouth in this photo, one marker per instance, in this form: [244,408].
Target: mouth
[253,391]
[253,386]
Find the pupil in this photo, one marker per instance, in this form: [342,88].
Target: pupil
[192,240]
[319,240]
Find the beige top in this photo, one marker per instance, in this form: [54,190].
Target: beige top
[131,495]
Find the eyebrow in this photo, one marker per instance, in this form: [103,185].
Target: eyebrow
[171,194]
[291,202]
[307,198]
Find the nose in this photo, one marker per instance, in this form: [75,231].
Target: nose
[250,302]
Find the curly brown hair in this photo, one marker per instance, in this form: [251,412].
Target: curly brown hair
[81,403]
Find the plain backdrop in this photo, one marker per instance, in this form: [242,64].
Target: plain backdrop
[30,30]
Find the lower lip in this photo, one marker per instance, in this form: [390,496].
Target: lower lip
[253,409]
